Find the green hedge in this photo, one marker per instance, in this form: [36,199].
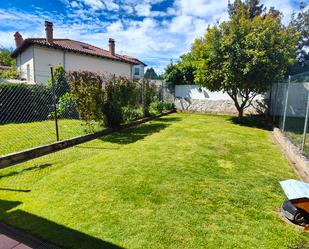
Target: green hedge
[24,103]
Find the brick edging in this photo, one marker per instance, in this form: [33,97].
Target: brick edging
[299,162]
[25,155]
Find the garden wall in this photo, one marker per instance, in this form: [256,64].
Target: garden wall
[192,98]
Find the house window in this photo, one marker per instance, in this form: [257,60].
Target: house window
[136,71]
[28,72]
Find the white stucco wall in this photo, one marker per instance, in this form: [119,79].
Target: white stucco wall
[76,62]
[201,93]
[23,61]
[44,57]
[141,71]
[196,92]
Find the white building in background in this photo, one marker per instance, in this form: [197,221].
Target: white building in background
[34,56]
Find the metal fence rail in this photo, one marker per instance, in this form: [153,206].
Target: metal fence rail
[290,109]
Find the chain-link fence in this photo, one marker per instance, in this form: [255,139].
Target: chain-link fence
[290,109]
[32,115]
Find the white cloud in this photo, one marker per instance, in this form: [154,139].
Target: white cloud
[95,4]
[74,4]
[110,5]
[151,39]
[285,6]
[200,8]
[143,9]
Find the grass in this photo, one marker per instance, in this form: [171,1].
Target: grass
[183,181]
[16,137]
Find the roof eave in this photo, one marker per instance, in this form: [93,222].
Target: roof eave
[26,43]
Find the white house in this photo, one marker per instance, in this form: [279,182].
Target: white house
[34,56]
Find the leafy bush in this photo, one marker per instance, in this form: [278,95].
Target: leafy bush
[158,107]
[67,106]
[102,99]
[87,89]
[60,80]
[130,114]
[12,73]
[150,95]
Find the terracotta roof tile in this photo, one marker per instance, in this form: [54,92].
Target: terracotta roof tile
[78,47]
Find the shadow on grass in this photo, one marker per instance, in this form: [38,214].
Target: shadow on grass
[169,119]
[255,121]
[37,167]
[132,135]
[55,233]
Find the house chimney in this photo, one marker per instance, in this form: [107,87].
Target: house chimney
[18,39]
[49,31]
[111,43]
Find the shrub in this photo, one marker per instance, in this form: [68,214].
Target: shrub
[158,107]
[11,73]
[130,114]
[60,81]
[150,94]
[87,89]
[167,105]
[67,106]
[102,98]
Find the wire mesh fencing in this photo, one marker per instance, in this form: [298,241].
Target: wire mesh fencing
[33,115]
[290,109]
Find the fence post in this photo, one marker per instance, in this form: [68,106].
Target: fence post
[274,108]
[55,102]
[286,103]
[305,126]
[143,104]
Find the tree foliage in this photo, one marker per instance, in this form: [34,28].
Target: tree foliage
[182,72]
[60,80]
[300,22]
[6,58]
[108,100]
[244,55]
[151,74]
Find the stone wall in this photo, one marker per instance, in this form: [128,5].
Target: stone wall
[226,107]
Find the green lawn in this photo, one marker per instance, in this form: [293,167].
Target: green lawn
[183,181]
[16,137]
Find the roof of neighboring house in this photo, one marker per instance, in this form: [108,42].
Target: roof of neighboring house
[77,47]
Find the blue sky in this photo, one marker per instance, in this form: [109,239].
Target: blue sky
[155,31]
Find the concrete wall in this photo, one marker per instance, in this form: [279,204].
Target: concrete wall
[201,93]
[24,61]
[41,58]
[193,98]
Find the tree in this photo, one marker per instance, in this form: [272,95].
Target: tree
[182,72]
[6,58]
[300,22]
[253,6]
[244,55]
[151,74]
[60,80]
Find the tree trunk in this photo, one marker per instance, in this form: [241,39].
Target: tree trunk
[240,112]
